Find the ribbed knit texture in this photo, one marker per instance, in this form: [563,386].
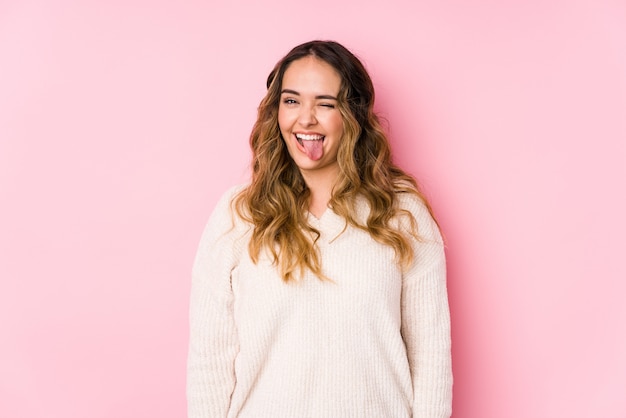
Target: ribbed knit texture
[374,343]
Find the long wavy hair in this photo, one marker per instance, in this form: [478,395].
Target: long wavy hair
[276,201]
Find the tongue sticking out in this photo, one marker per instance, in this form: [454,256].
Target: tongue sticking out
[313,149]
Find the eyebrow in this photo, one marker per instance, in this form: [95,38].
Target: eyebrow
[321,96]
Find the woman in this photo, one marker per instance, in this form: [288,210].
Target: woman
[319,288]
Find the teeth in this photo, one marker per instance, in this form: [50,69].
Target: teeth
[304,137]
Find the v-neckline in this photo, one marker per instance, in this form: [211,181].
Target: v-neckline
[318,218]
[329,224]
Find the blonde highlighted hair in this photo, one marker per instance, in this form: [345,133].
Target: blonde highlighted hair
[276,201]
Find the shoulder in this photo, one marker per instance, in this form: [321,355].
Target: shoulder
[408,197]
[225,203]
[419,209]
[224,219]
[412,202]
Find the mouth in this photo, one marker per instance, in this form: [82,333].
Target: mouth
[311,144]
[309,137]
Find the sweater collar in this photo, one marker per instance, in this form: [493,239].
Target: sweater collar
[332,225]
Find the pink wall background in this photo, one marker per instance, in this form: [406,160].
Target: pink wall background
[121,122]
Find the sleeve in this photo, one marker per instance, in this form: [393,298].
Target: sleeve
[426,321]
[213,343]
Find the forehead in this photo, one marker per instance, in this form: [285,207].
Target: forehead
[311,75]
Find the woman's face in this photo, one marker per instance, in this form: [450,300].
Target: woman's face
[308,116]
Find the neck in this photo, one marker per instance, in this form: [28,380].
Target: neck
[321,186]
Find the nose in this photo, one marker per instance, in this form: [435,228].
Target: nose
[306,116]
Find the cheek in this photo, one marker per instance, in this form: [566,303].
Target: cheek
[337,124]
[284,126]
[280,118]
[283,120]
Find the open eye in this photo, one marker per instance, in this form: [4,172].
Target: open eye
[289,101]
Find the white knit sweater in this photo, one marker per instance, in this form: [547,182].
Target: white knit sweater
[375,343]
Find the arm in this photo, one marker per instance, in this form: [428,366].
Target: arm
[426,323]
[213,343]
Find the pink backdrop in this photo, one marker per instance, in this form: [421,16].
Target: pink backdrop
[122,121]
